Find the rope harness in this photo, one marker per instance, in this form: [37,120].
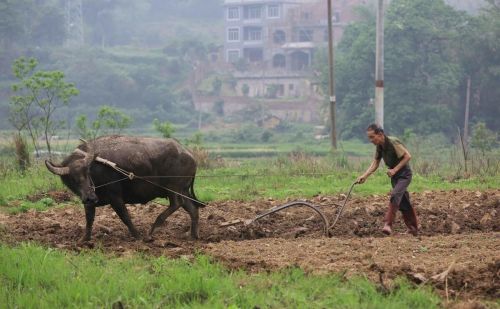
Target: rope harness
[132,176]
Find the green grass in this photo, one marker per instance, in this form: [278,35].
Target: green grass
[259,150]
[35,277]
[298,176]
[17,185]
[306,177]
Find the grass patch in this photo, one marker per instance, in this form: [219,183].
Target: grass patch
[17,185]
[270,150]
[23,206]
[305,177]
[289,172]
[293,176]
[37,277]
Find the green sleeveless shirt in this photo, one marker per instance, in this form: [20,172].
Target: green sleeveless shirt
[392,151]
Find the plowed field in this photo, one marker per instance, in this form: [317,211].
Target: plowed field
[458,250]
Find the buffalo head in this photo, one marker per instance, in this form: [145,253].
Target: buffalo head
[75,173]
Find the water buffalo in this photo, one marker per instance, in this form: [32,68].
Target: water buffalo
[98,184]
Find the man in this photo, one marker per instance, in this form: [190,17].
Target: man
[396,157]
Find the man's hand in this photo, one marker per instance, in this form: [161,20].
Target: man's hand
[361,179]
[391,172]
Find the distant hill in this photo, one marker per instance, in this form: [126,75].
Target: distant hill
[471,6]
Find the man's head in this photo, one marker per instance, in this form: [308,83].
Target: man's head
[375,134]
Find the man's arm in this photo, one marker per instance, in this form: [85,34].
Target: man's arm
[406,158]
[373,167]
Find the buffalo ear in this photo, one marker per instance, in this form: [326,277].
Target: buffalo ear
[61,171]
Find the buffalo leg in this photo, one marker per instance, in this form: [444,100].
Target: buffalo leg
[120,208]
[89,218]
[174,205]
[194,214]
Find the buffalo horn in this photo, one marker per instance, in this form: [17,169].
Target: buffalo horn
[88,158]
[61,171]
[78,150]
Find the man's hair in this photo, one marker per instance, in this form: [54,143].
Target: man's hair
[375,128]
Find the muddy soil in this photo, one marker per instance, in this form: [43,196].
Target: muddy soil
[458,250]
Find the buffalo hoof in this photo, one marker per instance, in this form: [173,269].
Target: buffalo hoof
[148,238]
[136,235]
[83,240]
[84,243]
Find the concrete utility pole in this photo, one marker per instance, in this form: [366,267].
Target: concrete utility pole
[333,132]
[379,66]
[466,120]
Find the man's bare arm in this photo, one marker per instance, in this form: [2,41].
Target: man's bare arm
[406,158]
[373,167]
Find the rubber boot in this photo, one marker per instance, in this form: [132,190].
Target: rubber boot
[410,219]
[390,215]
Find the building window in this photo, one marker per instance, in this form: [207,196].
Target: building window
[279,61]
[279,37]
[299,61]
[233,13]
[233,34]
[281,90]
[253,54]
[233,55]
[290,87]
[253,34]
[305,35]
[273,11]
[275,90]
[305,15]
[253,12]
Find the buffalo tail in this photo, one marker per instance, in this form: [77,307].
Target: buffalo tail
[196,202]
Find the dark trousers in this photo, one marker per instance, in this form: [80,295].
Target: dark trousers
[399,193]
[400,198]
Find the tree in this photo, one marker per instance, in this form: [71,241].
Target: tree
[31,23]
[11,21]
[165,128]
[479,44]
[483,138]
[219,108]
[187,9]
[355,71]
[49,28]
[109,120]
[84,130]
[113,119]
[422,69]
[40,94]
[216,86]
